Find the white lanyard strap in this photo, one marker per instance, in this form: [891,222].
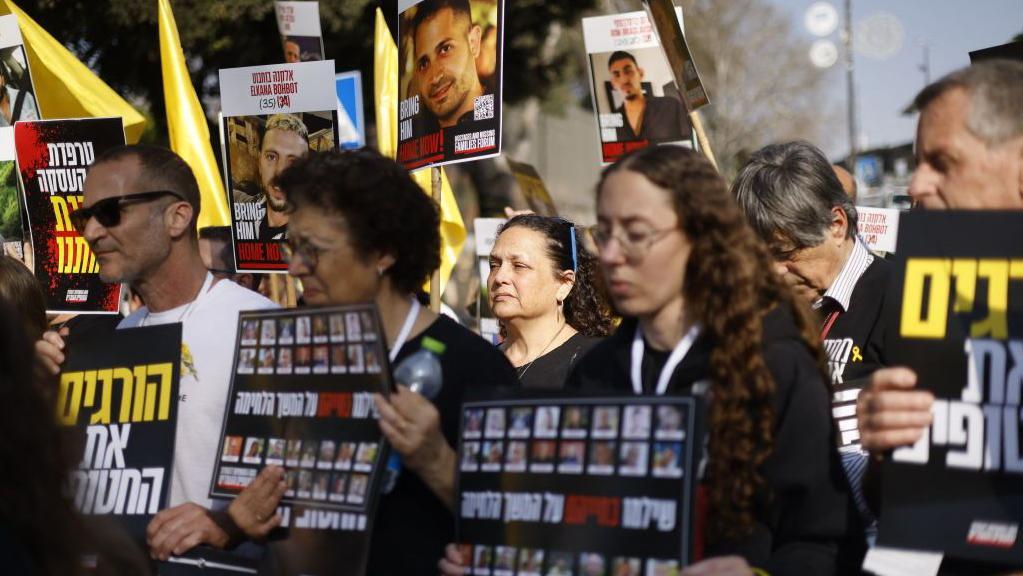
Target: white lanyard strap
[406,328]
[680,351]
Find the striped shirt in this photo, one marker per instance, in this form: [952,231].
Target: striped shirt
[854,459]
[842,288]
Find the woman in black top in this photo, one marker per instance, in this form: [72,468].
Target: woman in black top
[361,230]
[705,315]
[543,290]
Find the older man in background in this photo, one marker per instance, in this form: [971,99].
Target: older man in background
[794,200]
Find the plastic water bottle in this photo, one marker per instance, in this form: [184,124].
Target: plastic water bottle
[421,373]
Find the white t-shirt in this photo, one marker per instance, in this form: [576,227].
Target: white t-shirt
[208,336]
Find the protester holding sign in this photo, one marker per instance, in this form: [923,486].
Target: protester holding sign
[139,217]
[348,244]
[969,156]
[963,114]
[543,290]
[704,314]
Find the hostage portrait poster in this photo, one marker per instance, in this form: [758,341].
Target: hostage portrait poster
[53,156]
[271,116]
[449,81]
[636,101]
[301,397]
[577,485]
[299,25]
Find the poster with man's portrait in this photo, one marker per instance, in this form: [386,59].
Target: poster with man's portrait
[271,117]
[449,81]
[299,26]
[17,94]
[635,98]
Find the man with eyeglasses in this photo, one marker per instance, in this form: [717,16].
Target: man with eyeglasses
[139,217]
[792,197]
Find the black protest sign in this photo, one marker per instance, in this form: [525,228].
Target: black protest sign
[577,485]
[302,398]
[960,327]
[53,156]
[121,393]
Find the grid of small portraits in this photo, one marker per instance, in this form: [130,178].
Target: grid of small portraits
[336,343]
[511,561]
[316,470]
[637,440]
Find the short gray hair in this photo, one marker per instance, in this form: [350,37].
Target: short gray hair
[787,192]
[996,109]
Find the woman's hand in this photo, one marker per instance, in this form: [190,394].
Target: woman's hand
[411,424]
[254,511]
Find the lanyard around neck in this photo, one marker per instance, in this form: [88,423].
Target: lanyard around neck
[406,328]
[680,351]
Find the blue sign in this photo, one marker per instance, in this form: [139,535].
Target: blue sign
[351,124]
[869,170]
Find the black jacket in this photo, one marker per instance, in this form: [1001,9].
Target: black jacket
[807,524]
[858,335]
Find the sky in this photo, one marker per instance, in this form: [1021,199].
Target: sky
[951,28]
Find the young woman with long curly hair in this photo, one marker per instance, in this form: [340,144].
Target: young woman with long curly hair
[705,315]
[544,290]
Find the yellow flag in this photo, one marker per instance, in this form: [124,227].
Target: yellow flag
[186,123]
[65,87]
[385,84]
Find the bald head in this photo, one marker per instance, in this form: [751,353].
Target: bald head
[847,180]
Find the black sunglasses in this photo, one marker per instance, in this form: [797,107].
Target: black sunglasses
[108,211]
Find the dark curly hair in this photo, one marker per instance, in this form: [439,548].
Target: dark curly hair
[729,289]
[385,210]
[34,509]
[586,307]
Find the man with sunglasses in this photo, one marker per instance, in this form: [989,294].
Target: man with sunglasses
[139,217]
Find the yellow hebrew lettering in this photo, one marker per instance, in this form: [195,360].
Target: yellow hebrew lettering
[913,323]
[127,393]
[69,398]
[142,399]
[996,324]
[1016,269]
[164,371]
[60,255]
[60,213]
[965,272]
[106,380]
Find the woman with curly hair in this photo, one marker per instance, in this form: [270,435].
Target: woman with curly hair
[543,289]
[704,315]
